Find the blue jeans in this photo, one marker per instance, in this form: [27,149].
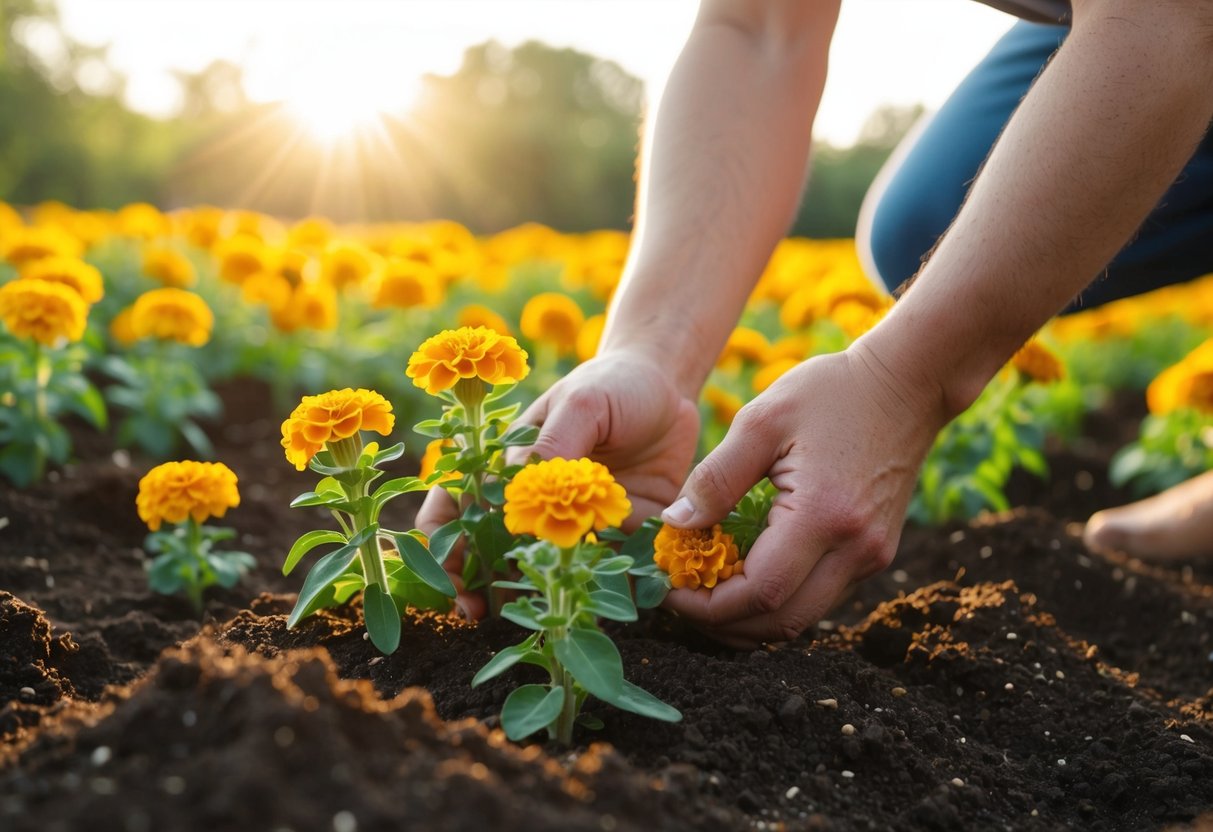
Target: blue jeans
[919,193]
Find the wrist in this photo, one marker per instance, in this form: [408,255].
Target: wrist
[670,349]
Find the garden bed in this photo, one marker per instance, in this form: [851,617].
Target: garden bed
[998,676]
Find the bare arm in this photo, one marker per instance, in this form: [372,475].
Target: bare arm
[721,173]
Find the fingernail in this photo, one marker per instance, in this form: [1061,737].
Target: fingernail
[681,512]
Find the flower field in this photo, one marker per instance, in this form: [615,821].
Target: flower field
[216,609]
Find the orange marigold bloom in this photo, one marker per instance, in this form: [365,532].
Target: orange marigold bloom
[310,306]
[767,376]
[141,220]
[552,318]
[121,329]
[429,459]
[744,344]
[1038,363]
[47,312]
[695,558]
[70,271]
[467,352]
[589,337]
[563,500]
[475,314]
[1188,384]
[173,315]
[241,256]
[724,404]
[175,491]
[346,264]
[331,417]
[169,266]
[311,233]
[405,284]
[22,246]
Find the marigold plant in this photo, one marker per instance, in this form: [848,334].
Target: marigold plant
[695,558]
[325,433]
[466,353]
[173,315]
[1037,362]
[71,272]
[562,500]
[185,495]
[552,319]
[168,266]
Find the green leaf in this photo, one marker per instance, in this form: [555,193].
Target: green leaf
[308,542]
[165,574]
[651,590]
[196,438]
[523,613]
[522,586]
[491,537]
[396,487]
[639,546]
[617,565]
[382,619]
[637,700]
[444,538]
[433,428]
[520,436]
[421,562]
[530,708]
[593,660]
[388,454]
[611,605]
[494,492]
[89,404]
[325,498]
[504,660]
[327,570]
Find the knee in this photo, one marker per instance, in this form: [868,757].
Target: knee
[896,230]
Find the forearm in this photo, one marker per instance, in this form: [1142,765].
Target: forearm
[1089,152]
[721,174]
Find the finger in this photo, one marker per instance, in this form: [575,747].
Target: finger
[825,587]
[779,562]
[570,428]
[436,510]
[718,483]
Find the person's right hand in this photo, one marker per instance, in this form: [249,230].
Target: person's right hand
[622,409]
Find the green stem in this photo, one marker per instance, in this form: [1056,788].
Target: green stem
[471,393]
[559,603]
[193,542]
[346,454]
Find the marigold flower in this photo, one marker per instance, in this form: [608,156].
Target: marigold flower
[429,459]
[121,329]
[589,337]
[1188,384]
[346,264]
[310,306]
[200,225]
[169,266]
[552,318]
[71,272]
[406,283]
[42,310]
[855,318]
[724,405]
[744,344]
[562,500]
[696,558]
[767,376]
[241,256]
[22,246]
[475,314]
[331,417]
[172,315]
[142,221]
[310,233]
[1038,363]
[467,352]
[175,491]
[267,288]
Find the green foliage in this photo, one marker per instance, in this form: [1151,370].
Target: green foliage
[749,519]
[160,390]
[409,575]
[1132,361]
[39,386]
[1172,448]
[186,560]
[570,590]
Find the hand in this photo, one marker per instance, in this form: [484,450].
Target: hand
[622,409]
[842,439]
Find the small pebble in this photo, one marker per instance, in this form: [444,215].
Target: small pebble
[1012,636]
[792,792]
[956,781]
[1035,813]
[848,774]
[900,576]
[375,661]
[189,719]
[963,740]
[1186,738]
[986,552]
[825,624]
[1008,686]
[832,704]
[848,730]
[365,637]
[1061,762]
[344,821]
[284,736]
[898,691]
[173,784]
[101,755]
[102,785]
[1060,675]
[957,537]
[27,693]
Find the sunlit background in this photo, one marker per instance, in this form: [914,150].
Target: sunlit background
[490,112]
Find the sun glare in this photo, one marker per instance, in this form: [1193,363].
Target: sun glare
[336,108]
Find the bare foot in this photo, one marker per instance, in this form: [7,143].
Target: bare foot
[1178,523]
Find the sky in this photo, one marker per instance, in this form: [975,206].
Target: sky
[340,60]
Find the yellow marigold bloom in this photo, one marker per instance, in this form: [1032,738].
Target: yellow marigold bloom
[71,272]
[121,329]
[562,500]
[695,558]
[241,256]
[467,352]
[47,312]
[200,225]
[345,264]
[169,266]
[856,317]
[724,404]
[1038,363]
[311,233]
[589,337]
[406,283]
[251,224]
[10,218]
[142,221]
[268,288]
[552,318]
[744,344]
[429,459]
[765,377]
[172,315]
[22,246]
[175,491]
[797,346]
[1188,384]
[331,417]
[310,306]
[475,314]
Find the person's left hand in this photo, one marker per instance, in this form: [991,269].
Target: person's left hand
[842,439]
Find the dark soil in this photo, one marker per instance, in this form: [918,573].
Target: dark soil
[999,676]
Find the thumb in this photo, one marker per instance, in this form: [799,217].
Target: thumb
[718,483]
